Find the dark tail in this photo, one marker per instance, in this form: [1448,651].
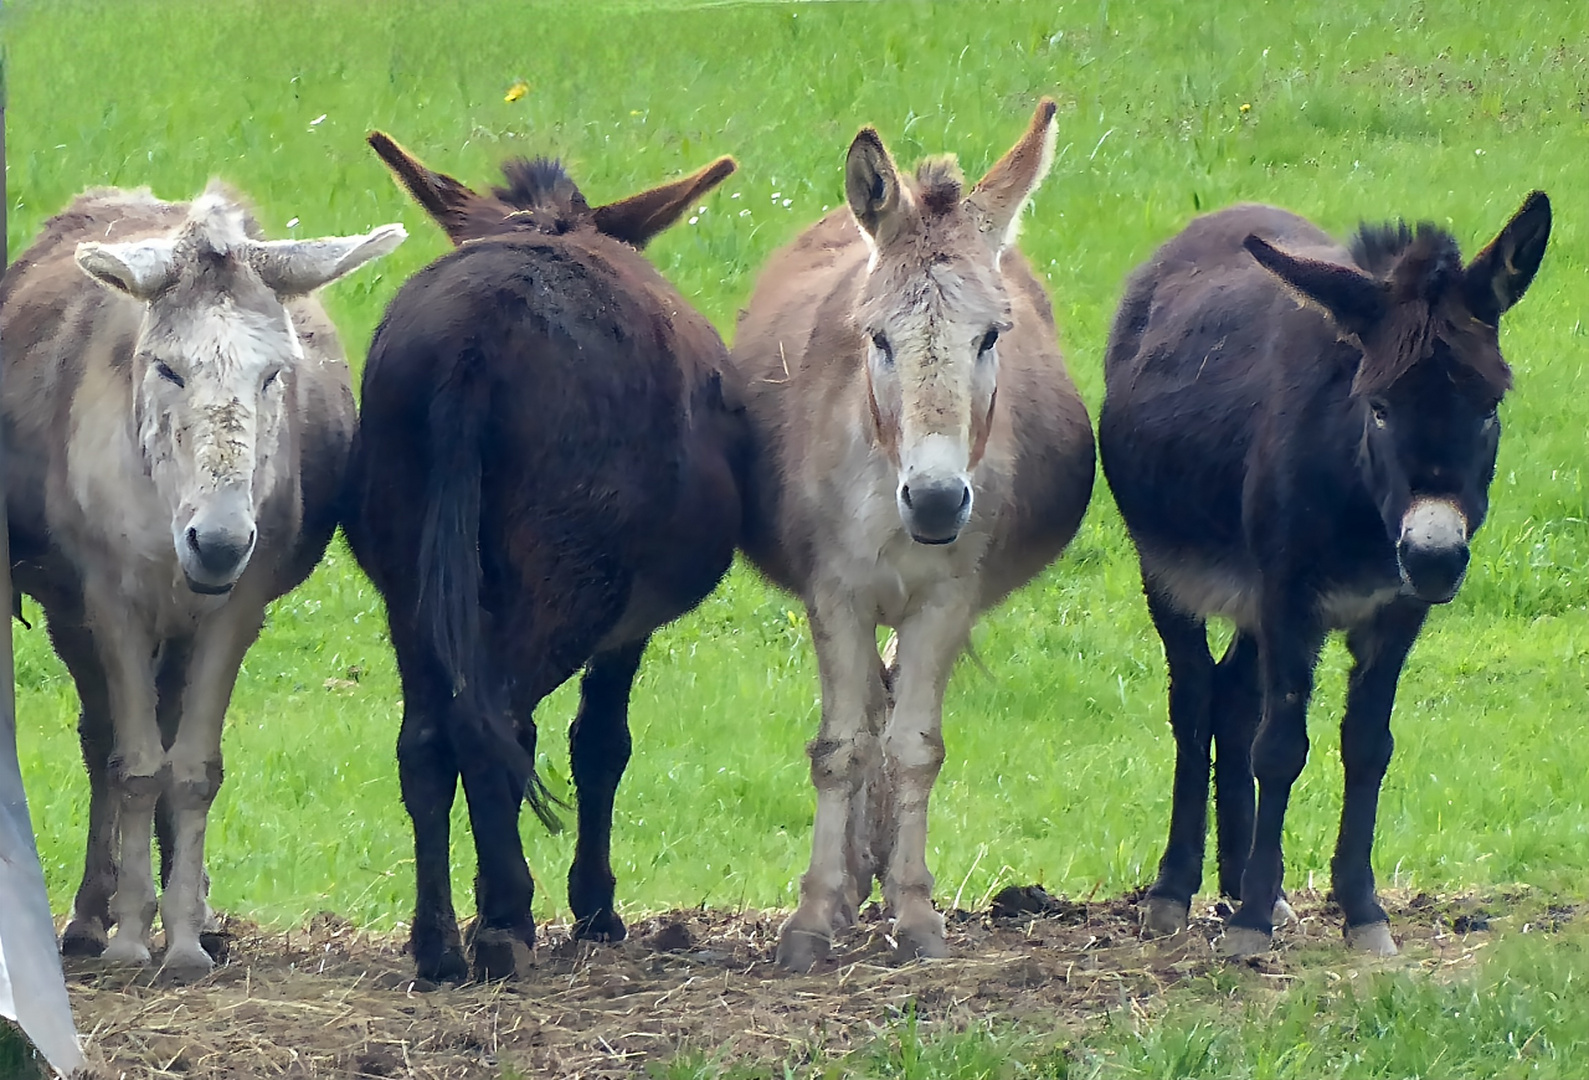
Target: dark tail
[448,609]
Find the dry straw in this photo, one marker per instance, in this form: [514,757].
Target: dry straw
[330,1001]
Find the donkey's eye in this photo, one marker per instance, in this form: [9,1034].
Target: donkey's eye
[164,371]
[269,379]
[990,339]
[1490,419]
[1380,412]
[881,342]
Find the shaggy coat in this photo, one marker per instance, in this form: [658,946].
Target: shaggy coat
[543,475]
[918,452]
[177,419]
[1301,437]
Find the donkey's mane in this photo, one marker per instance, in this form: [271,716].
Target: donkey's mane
[1419,261]
[219,221]
[939,183]
[1421,266]
[540,184]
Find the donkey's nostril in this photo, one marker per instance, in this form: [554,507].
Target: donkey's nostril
[904,495]
[965,497]
[193,539]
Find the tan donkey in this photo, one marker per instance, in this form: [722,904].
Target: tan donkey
[920,452]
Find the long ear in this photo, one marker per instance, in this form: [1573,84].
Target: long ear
[638,218]
[445,199]
[881,205]
[1000,196]
[1500,274]
[1353,299]
[295,267]
[139,268]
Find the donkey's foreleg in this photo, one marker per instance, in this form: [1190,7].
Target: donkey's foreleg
[136,773]
[1288,645]
[842,755]
[1165,908]
[195,778]
[929,642]
[1379,650]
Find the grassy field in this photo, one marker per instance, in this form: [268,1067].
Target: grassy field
[1059,755]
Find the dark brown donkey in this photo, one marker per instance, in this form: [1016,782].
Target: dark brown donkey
[543,475]
[1301,437]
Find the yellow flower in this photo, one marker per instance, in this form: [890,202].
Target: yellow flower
[1246,108]
[516,91]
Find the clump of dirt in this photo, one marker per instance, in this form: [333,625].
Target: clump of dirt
[327,1000]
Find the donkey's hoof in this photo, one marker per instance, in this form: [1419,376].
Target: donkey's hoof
[924,941]
[186,963]
[1283,915]
[1242,941]
[604,926]
[501,952]
[124,949]
[1163,917]
[84,937]
[1372,938]
[800,950]
[445,964]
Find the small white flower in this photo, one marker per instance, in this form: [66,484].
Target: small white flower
[744,213]
[733,196]
[292,224]
[317,121]
[701,210]
[775,195]
[694,218]
[788,203]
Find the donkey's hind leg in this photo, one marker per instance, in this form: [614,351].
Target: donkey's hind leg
[1169,900]
[1235,712]
[89,929]
[599,748]
[542,644]
[427,769]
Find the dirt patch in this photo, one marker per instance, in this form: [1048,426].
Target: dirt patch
[329,1001]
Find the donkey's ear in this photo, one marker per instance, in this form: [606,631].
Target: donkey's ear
[881,205]
[139,268]
[1352,298]
[296,267]
[1000,196]
[638,218]
[1500,274]
[445,199]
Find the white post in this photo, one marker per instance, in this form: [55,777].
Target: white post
[32,987]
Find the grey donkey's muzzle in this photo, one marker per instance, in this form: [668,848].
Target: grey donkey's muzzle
[216,543]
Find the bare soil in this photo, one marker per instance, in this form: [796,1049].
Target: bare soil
[329,1001]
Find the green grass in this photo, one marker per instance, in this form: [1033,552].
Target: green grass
[1059,757]
[18,1060]
[1520,1015]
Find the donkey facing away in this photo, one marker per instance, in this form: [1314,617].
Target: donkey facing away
[1301,437]
[177,418]
[918,452]
[544,474]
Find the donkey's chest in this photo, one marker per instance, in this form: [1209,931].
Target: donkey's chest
[872,557]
